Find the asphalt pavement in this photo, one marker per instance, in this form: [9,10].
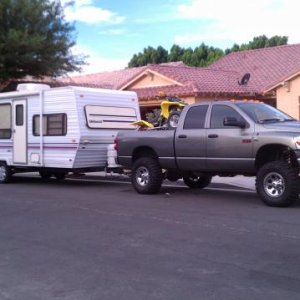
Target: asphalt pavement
[100,240]
[240,181]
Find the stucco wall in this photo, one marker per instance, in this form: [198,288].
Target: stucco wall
[150,80]
[288,98]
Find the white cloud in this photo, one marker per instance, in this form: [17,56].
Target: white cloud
[86,11]
[117,31]
[240,21]
[98,63]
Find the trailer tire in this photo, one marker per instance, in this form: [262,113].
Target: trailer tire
[60,175]
[45,174]
[197,182]
[146,175]
[5,173]
[277,184]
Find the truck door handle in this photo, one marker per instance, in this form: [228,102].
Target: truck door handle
[213,136]
[182,136]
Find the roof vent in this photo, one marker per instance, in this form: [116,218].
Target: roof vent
[245,79]
[32,87]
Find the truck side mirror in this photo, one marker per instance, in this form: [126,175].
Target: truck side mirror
[231,121]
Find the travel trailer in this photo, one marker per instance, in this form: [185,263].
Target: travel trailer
[78,124]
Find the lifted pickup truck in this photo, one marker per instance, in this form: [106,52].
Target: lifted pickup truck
[224,138]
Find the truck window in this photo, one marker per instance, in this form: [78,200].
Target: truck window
[195,117]
[5,121]
[219,112]
[53,125]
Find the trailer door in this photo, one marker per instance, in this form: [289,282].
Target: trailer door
[20,131]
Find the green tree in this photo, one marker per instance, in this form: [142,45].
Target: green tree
[35,39]
[258,42]
[149,55]
[176,53]
[202,55]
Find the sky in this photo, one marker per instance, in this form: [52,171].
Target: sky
[110,32]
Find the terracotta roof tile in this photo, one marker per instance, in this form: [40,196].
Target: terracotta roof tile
[110,80]
[267,66]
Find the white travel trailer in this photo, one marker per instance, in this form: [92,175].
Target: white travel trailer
[77,124]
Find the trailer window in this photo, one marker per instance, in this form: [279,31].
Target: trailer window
[5,121]
[20,115]
[110,117]
[53,125]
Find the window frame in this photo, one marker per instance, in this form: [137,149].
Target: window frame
[223,127]
[64,126]
[189,111]
[8,129]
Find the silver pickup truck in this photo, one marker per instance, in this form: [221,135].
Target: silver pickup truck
[224,138]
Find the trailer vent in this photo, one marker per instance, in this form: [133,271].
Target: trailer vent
[32,87]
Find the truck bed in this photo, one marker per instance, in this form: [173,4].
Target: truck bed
[145,139]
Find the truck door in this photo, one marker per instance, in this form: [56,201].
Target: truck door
[20,131]
[229,148]
[190,139]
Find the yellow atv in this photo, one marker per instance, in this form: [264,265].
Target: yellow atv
[170,109]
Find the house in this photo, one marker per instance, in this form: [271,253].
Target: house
[275,74]
[191,84]
[270,74]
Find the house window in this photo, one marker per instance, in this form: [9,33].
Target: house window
[5,121]
[195,117]
[53,125]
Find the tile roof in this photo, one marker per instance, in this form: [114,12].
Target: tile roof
[110,80]
[267,66]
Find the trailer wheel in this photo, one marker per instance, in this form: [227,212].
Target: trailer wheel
[60,175]
[5,173]
[146,175]
[277,184]
[197,182]
[45,174]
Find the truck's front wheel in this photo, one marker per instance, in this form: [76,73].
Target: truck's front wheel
[146,175]
[197,182]
[277,184]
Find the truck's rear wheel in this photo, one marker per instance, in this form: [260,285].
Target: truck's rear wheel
[5,173]
[146,175]
[277,184]
[197,182]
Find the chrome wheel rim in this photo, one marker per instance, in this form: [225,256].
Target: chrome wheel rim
[142,176]
[274,185]
[2,173]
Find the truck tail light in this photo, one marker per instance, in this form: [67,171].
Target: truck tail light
[116,144]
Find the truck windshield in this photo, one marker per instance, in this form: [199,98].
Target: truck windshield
[263,113]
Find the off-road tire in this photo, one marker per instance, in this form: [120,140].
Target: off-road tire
[5,173]
[173,119]
[277,184]
[146,175]
[197,182]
